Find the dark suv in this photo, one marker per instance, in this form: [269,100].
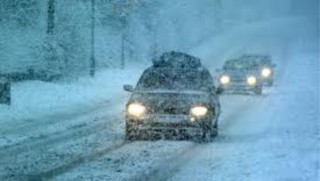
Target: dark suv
[174,98]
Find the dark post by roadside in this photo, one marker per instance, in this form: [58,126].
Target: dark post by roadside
[92,57]
[5,92]
[51,12]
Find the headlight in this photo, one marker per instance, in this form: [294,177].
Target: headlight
[225,79]
[199,111]
[266,72]
[251,80]
[136,109]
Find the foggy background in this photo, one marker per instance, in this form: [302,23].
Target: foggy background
[127,31]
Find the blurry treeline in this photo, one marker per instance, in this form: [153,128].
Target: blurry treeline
[55,36]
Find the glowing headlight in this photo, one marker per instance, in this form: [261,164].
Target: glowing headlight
[136,109]
[199,111]
[251,80]
[225,79]
[266,72]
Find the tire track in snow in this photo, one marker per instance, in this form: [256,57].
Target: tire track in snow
[32,149]
[48,140]
[76,162]
[236,110]
[31,124]
[127,162]
[51,173]
[161,171]
[167,168]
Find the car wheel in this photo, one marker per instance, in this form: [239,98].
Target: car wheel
[209,135]
[215,130]
[258,90]
[219,90]
[130,133]
[270,83]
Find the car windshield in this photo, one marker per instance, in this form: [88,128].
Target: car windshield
[240,65]
[265,61]
[258,58]
[175,79]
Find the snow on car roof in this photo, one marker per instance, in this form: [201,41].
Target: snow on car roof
[240,63]
[257,57]
[172,91]
[177,60]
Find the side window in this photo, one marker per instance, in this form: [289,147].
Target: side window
[207,81]
[142,78]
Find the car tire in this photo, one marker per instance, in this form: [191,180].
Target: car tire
[209,135]
[270,83]
[258,90]
[129,136]
[219,90]
[130,133]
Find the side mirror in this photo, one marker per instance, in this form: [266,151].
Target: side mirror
[219,91]
[128,88]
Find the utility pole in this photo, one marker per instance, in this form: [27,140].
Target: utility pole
[122,8]
[123,37]
[92,57]
[51,12]
[51,60]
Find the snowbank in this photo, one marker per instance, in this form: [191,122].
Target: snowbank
[34,99]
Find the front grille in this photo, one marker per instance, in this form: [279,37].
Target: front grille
[169,110]
[238,80]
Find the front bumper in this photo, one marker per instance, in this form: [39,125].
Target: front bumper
[178,127]
[239,87]
[267,79]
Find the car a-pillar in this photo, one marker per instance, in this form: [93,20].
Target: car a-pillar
[5,91]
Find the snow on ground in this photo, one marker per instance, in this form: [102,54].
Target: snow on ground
[46,98]
[128,162]
[51,126]
[40,108]
[278,138]
[48,155]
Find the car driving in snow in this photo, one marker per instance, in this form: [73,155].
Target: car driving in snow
[266,67]
[241,75]
[174,98]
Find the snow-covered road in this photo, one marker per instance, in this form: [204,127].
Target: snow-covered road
[270,137]
[276,139]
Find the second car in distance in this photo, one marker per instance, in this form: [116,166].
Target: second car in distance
[241,75]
